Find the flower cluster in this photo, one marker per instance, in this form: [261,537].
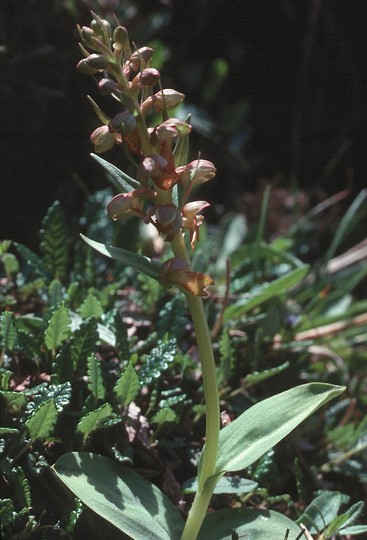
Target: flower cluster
[159,151]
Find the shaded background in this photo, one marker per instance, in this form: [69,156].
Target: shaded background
[277,90]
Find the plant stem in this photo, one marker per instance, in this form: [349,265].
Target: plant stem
[209,455]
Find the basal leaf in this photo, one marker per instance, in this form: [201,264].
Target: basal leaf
[259,376]
[322,511]
[75,353]
[247,523]
[263,425]
[116,493]
[7,512]
[13,399]
[34,261]
[157,360]
[94,420]
[21,487]
[8,331]
[42,423]
[226,484]
[139,262]
[268,290]
[91,307]
[95,378]
[164,416]
[58,328]
[54,245]
[128,386]
[121,180]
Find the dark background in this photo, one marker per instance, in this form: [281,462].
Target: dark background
[277,90]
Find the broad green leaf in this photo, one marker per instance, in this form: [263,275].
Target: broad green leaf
[128,386]
[248,523]
[13,399]
[95,378]
[8,331]
[94,420]
[119,495]
[120,180]
[263,425]
[42,422]
[58,328]
[226,484]
[164,416]
[91,307]
[139,262]
[322,511]
[268,290]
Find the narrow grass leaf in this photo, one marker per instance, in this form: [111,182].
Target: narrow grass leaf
[115,492]
[263,425]
[127,387]
[42,422]
[346,224]
[269,290]
[58,328]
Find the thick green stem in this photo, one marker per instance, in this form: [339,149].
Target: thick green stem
[209,457]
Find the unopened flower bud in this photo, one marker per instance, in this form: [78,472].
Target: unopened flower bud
[120,38]
[123,122]
[102,139]
[197,172]
[101,26]
[144,54]
[87,36]
[149,76]
[167,219]
[108,87]
[172,128]
[98,61]
[124,205]
[168,98]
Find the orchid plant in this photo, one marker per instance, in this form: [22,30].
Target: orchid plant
[159,194]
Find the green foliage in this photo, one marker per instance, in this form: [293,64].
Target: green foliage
[158,360]
[8,332]
[41,424]
[127,387]
[91,307]
[54,242]
[95,378]
[92,477]
[94,420]
[58,328]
